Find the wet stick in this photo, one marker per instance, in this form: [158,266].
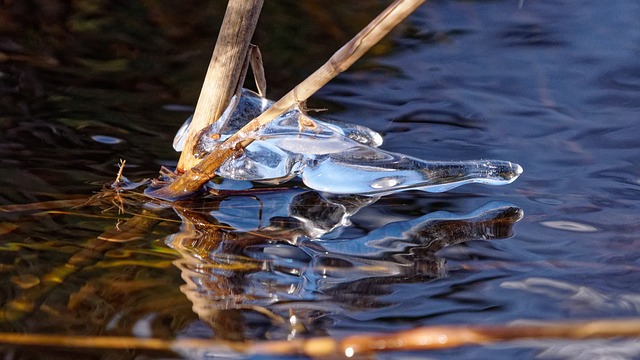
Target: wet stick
[193,179]
[419,339]
[224,71]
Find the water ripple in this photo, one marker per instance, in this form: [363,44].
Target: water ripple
[569,226]
[108,140]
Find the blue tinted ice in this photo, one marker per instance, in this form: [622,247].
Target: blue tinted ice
[334,157]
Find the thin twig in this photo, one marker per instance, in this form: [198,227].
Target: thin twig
[120,170]
[423,338]
[193,179]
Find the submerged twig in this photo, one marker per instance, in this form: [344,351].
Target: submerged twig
[224,72]
[423,338]
[193,179]
[446,337]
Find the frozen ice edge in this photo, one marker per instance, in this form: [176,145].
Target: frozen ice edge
[335,157]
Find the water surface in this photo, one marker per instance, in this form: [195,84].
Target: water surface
[553,86]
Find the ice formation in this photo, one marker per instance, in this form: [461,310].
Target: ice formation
[333,156]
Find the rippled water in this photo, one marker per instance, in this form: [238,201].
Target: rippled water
[553,86]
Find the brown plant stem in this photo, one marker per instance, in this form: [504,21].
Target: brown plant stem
[423,338]
[193,179]
[224,72]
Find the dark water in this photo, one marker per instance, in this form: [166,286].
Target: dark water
[554,86]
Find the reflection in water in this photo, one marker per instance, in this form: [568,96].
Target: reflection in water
[288,265]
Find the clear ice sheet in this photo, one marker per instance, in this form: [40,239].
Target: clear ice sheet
[333,156]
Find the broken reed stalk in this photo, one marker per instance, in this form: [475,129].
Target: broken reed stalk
[193,179]
[423,338]
[224,72]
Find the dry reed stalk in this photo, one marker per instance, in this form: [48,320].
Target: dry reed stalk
[446,337]
[424,339]
[224,72]
[194,178]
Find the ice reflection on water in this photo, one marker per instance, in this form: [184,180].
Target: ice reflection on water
[291,258]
